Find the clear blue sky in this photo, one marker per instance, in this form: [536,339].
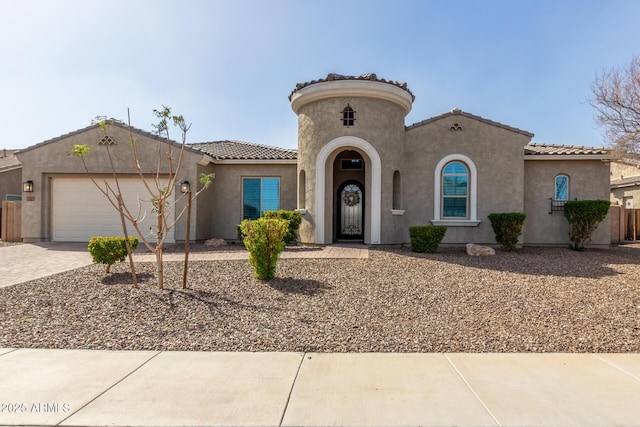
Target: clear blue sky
[228,66]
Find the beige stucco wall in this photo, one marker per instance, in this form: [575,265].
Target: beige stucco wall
[378,122]
[588,179]
[620,170]
[225,195]
[498,156]
[50,159]
[619,195]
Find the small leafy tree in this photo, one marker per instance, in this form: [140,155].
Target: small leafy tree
[160,186]
[507,228]
[294,218]
[109,250]
[263,238]
[426,238]
[584,217]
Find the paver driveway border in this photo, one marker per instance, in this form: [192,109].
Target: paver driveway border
[30,261]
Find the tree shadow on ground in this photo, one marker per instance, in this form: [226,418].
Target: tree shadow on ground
[539,261]
[290,285]
[124,278]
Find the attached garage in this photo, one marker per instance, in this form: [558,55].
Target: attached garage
[80,211]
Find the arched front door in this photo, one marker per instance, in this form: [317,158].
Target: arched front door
[350,204]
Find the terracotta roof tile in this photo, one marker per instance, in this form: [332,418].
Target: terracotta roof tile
[369,76]
[240,150]
[549,149]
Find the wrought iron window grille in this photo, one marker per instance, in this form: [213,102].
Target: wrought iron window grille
[557,205]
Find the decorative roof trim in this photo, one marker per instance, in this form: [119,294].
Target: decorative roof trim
[349,88]
[458,112]
[367,77]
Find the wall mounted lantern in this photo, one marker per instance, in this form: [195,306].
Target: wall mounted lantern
[184,187]
[27,186]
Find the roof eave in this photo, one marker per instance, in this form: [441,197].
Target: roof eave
[537,156]
[457,112]
[254,161]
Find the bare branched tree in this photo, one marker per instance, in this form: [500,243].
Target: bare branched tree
[616,99]
[160,185]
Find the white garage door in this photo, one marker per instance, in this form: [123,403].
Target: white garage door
[80,210]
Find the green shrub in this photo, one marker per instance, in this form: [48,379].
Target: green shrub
[108,250]
[263,238]
[426,238]
[294,218]
[507,228]
[584,217]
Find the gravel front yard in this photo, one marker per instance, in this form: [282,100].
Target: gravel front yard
[535,300]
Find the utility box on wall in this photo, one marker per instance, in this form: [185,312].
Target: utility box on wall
[628,204]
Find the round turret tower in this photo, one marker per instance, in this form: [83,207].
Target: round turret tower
[350,143]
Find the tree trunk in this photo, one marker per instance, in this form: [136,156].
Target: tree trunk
[159,244]
[127,244]
[186,245]
[159,271]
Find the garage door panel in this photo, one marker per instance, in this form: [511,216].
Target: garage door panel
[80,210]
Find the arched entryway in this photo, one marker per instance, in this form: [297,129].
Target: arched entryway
[327,183]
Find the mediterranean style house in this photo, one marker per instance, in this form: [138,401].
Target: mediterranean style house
[360,174]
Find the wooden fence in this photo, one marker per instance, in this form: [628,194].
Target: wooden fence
[625,224]
[11,221]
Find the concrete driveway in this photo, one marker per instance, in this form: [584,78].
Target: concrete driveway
[21,263]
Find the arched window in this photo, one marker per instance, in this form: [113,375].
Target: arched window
[348,116]
[561,187]
[455,191]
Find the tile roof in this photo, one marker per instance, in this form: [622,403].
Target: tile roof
[458,112]
[111,122]
[8,160]
[240,150]
[626,182]
[553,149]
[369,76]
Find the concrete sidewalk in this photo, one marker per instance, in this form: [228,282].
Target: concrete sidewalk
[149,388]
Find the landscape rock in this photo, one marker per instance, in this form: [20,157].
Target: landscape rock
[479,250]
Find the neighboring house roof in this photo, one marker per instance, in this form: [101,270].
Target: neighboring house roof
[626,182]
[565,150]
[8,160]
[458,112]
[370,76]
[240,150]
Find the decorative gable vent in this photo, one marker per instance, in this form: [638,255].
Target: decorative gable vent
[107,140]
[455,126]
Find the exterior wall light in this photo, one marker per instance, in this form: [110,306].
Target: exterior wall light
[27,186]
[185,187]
